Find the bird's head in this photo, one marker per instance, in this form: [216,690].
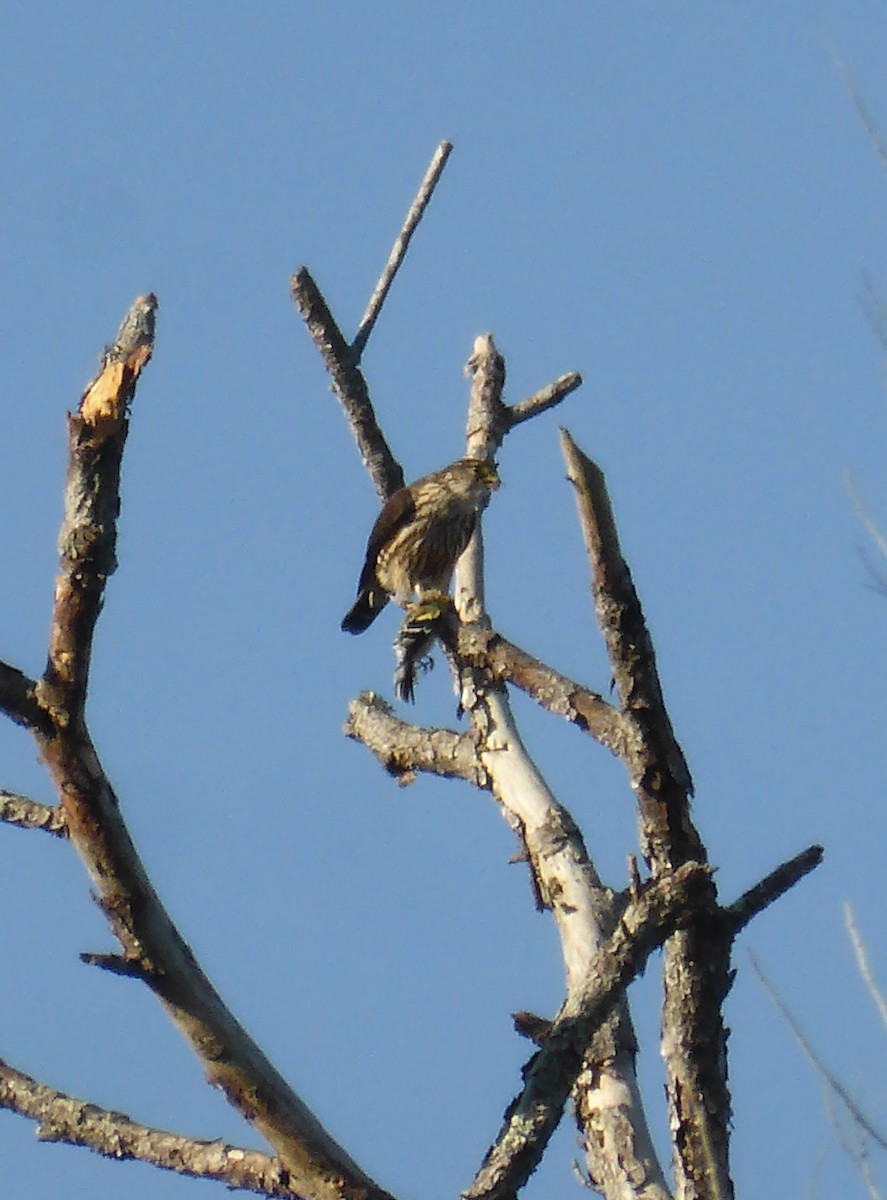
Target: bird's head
[481,472]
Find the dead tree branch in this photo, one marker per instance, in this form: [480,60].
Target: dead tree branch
[552,1072]
[697,974]
[63,1118]
[28,814]
[399,250]
[151,945]
[831,1081]
[404,749]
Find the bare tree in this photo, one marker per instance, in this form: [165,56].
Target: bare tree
[586,1053]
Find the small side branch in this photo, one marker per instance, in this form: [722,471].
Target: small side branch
[18,698]
[398,252]
[771,887]
[544,399]
[832,1082]
[28,814]
[63,1118]
[404,749]
[349,384]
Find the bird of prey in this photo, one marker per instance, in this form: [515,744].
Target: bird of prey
[418,537]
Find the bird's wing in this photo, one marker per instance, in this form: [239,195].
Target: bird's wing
[397,510]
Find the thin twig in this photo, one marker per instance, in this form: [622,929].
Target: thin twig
[862,962]
[834,1084]
[398,251]
[868,122]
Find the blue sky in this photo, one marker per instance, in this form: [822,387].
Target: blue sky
[678,201]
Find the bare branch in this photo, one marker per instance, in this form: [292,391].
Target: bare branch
[403,749]
[63,1118]
[655,761]
[563,875]
[349,385]
[862,962]
[771,887]
[832,1082]
[696,974]
[28,814]
[551,1073]
[398,252]
[18,698]
[862,111]
[88,538]
[544,399]
[152,947]
[479,646]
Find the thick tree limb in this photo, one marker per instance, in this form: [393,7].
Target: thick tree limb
[564,877]
[697,975]
[398,252]
[88,538]
[403,749]
[152,947]
[550,1075]
[28,814]
[63,1118]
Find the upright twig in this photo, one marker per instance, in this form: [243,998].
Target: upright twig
[399,249]
[862,962]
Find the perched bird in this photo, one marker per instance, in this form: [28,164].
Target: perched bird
[418,537]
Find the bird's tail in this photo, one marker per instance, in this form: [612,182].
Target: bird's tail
[367,606]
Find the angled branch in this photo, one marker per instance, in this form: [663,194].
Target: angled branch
[697,975]
[152,947]
[477,645]
[18,698]
[63,1118]
[404,749]
[831,1080]
[28,814]
[398,251]
[349,384]
[771,887]
[549,1076]
[544,399]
